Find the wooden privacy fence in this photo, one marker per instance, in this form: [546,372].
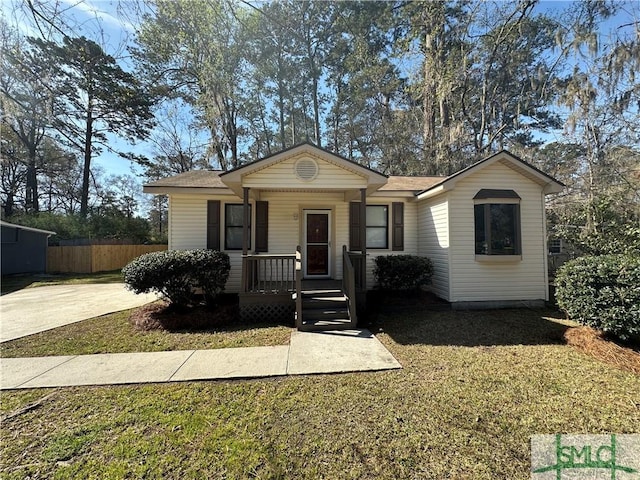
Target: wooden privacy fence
[95,258]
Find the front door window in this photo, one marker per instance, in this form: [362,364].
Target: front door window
[317,244]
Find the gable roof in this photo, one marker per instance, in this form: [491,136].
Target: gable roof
[200,181]
[307,147]
[234,179]
[550,184]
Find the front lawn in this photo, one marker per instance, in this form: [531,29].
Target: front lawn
[113,333]
[475,386]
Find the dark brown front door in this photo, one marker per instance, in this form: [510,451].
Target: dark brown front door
[317,244]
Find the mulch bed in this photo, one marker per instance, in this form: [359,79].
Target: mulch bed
[159,316]
[594,343]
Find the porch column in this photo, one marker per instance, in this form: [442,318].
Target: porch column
[363,235]
[245,239]
[245,221]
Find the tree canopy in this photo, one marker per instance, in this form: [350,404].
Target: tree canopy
[407,88]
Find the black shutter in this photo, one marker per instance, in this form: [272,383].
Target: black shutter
[213,224]
[397,233]
[355,243]
[262,226]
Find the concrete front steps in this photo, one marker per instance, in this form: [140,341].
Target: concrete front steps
[325,310]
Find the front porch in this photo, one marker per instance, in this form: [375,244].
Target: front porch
[297,207]
[274,287]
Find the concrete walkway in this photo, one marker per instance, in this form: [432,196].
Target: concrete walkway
[307,353]
[34,310]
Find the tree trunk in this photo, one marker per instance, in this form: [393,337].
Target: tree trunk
[31,202]
[32,170]
[283,141]
[8,205]
[336,118]
[86,171]
[316,111]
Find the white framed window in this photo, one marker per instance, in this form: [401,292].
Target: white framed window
[233,218]
[377,226]
[497,223]
[555,246]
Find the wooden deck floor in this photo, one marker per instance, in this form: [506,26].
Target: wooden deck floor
[321,285]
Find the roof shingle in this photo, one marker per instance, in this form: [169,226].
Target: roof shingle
[211,179]
[192,179]
[415,184]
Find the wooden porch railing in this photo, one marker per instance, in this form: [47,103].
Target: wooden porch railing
[359,262]
[349,284]
[268,273]
[298,269]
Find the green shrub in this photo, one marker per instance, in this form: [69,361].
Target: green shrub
[176,274]
[402,272]
[602,292]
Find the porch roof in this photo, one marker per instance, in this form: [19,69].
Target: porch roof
[194,181]
[232,181]
[209,181]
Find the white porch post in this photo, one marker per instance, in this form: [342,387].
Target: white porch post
[245,221]
[245,239]
[363,235]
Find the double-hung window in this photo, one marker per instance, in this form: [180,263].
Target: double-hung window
[497,222]
[377,226]
[555,246]
[383,225]
[233,216]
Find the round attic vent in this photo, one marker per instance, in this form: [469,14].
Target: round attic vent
[306,169]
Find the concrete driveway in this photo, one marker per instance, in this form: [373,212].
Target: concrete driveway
[34,310]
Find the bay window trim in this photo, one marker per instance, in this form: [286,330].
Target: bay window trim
[487,198]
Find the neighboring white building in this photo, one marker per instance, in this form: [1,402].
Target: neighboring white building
[483,227]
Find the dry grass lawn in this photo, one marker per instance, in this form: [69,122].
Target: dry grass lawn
[114,333]
[475,386]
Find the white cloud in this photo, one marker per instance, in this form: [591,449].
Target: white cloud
[101,12]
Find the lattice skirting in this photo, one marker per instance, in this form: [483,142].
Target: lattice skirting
[273,312]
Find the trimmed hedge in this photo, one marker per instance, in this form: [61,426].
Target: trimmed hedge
[602,292]
[175,274]
[402,272]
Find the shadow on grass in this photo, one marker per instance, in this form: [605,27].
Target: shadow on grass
[222,317]
[473,328]
[13,283]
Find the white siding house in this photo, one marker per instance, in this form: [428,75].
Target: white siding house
[483,228]
[468,277]
[433,233]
